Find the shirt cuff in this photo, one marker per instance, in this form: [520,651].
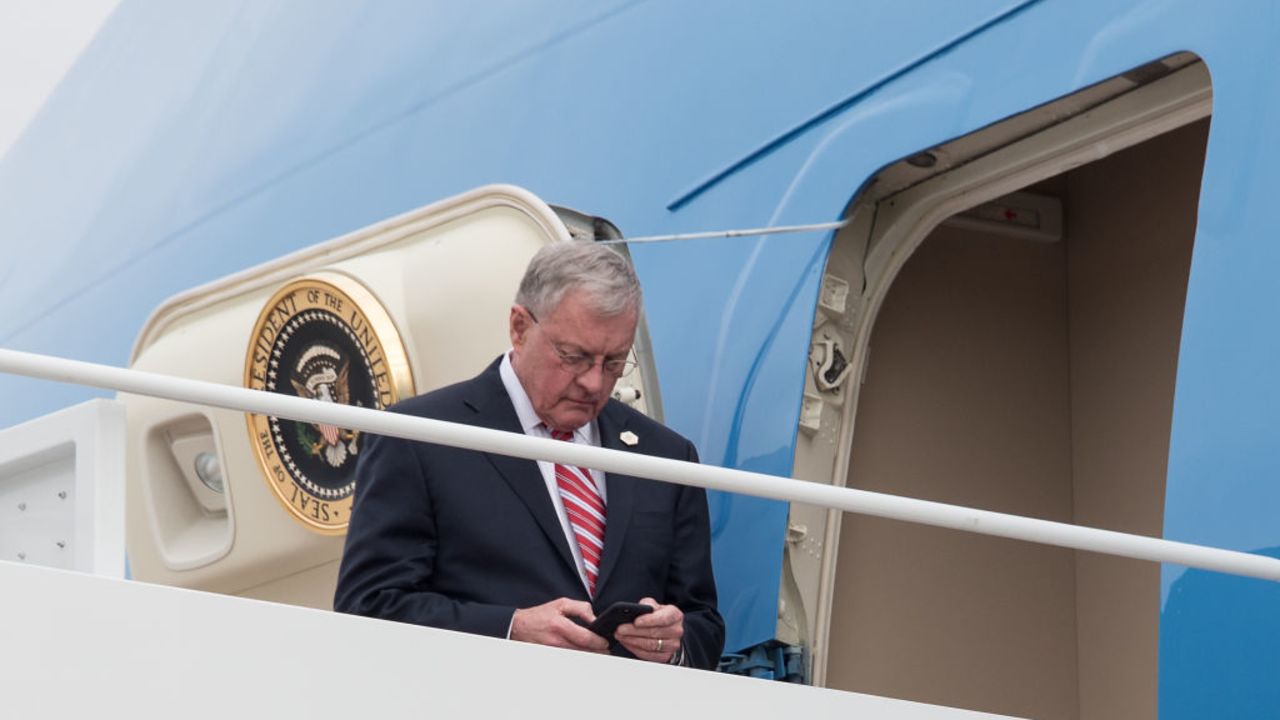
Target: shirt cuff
[679,658]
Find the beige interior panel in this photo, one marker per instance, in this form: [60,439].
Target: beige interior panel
[310,588]
[1132,222]
[1030,378]
[965,401]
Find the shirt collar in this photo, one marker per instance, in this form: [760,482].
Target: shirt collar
[529,420]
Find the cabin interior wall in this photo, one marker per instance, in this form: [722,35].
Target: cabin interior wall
[1037,379]
[966,400]
[1131,220]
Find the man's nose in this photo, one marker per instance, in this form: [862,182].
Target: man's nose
[593,379]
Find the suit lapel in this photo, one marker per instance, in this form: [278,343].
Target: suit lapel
[493,405]
[620,490]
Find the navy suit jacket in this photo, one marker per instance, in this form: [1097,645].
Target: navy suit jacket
[459,539]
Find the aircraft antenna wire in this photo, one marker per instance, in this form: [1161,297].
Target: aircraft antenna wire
[747,232]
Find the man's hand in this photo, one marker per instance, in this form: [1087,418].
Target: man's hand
[654,636]
[552,624]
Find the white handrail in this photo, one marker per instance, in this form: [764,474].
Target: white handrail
[707,476]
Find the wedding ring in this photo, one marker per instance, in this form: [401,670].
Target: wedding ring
[659,645]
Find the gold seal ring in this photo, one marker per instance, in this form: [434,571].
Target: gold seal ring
[321,337]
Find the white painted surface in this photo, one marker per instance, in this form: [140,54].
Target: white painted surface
[83,646]
[62,489]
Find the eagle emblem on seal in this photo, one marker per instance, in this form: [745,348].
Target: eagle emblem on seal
[322,374]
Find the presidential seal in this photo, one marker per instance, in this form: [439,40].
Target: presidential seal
[324,337]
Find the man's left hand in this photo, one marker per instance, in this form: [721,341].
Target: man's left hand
[654,636]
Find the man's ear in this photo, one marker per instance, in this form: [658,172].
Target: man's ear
[519,323]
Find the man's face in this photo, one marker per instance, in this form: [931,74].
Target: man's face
[563,399]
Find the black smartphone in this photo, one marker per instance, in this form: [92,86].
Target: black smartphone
[619,613]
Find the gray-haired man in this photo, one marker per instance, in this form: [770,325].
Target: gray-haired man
[512,548]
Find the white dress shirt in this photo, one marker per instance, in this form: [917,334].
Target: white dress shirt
[588,434]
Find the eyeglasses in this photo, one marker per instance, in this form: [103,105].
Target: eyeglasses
[578,363]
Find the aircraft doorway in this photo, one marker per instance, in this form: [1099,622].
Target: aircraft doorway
[1018,355]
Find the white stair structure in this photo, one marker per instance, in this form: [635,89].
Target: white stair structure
[62,489]
[78,645]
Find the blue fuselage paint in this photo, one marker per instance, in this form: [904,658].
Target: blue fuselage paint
[191,142]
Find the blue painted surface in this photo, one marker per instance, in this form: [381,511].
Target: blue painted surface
[1218,632]
[194,141]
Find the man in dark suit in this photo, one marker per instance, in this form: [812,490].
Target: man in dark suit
[514,548]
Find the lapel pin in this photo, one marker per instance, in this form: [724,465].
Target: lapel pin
[629,438]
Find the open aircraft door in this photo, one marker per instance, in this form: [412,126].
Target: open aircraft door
[999,327]
[255,506]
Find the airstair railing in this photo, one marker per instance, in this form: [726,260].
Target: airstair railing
[864,502]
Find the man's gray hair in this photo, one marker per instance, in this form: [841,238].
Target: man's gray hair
[606,276]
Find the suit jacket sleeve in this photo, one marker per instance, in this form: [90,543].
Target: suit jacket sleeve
[690,584]
[391,547]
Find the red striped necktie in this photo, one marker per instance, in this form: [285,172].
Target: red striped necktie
[585,508]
